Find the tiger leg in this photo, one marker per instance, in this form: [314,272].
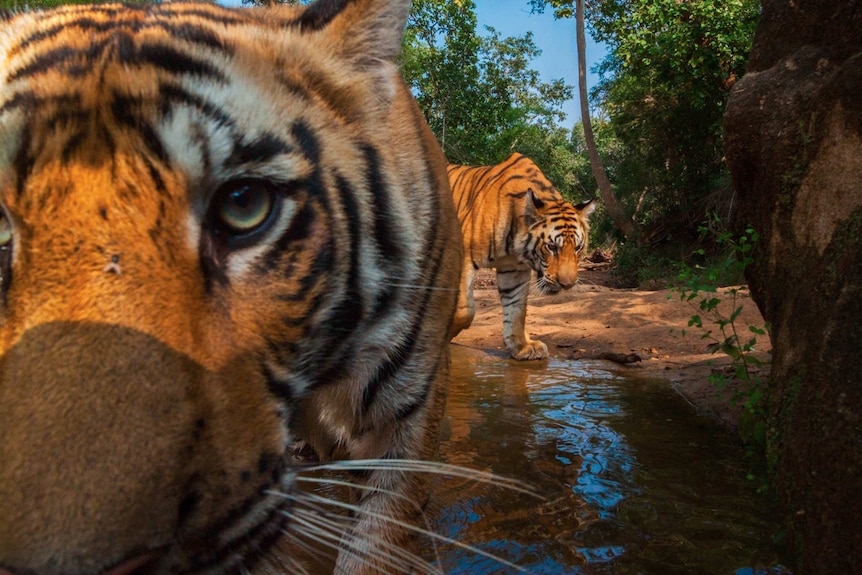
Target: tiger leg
[466,309]
[375,544]
[514,285]
[397,495]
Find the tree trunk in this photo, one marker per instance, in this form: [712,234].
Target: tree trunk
[793,140]
[626,225]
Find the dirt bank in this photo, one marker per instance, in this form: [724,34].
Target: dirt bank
[595,320]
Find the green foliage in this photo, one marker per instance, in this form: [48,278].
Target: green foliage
[478,93]
[665,84]
[638,265]
[668,77]
[562,8]
[699,288]
[440,61]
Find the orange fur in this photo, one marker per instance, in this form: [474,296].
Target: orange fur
[231,231]
[513,219]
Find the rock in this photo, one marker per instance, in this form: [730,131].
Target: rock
[793,140]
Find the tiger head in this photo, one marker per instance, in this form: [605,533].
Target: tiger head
[221,232]
[557,236]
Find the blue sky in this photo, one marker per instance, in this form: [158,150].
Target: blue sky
[556,39]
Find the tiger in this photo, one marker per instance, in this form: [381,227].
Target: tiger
[225,234]
[513,219]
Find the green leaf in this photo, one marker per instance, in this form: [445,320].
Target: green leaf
[731,351]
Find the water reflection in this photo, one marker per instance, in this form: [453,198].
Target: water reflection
[631,481]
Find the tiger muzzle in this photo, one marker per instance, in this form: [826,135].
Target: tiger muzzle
[96,436]
[567,273]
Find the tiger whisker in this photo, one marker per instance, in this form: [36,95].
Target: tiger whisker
[323,525]
[327,530]
[322,530]
[368,488]
[295,567]
[539,286]
[434,537]
[430,467]
[344,483]
[413,528]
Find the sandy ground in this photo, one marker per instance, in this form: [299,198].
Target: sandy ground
[595,320]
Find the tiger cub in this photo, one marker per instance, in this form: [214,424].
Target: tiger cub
[223,232]
[514,220]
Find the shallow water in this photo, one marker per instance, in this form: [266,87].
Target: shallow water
[630,480]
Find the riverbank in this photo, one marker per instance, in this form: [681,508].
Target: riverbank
[647,331]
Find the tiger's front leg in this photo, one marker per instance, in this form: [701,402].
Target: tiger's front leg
[389,502]
[514,285]
[376,543]
[466,310]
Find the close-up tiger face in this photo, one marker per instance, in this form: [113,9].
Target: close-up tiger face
[223,233]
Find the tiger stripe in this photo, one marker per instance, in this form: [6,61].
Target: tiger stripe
[514,220]
[230,233]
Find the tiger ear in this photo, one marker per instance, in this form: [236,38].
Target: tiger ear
[586,208]
[533,206]
[365,30]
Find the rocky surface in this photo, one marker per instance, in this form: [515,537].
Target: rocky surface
[793,140]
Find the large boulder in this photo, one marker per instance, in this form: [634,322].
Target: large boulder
[793,140]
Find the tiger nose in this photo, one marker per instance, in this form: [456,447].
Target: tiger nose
[567,276]
[67,504]
[567,282]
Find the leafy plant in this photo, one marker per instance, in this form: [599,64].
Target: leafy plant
[637,265]
[699,287]
[478,92]
[664,85]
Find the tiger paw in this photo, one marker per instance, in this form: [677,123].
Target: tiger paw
[533,349]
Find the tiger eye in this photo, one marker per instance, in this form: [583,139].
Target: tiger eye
[244,207]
